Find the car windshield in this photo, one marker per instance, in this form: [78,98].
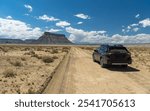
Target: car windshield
[118,49]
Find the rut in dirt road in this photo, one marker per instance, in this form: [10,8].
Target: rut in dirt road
[83,76]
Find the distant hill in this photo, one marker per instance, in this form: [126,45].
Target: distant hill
[46,38]
[10,41]
[51,38]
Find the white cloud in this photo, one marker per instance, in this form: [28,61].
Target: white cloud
[123,30]
[47,18]
[145,22]
[80,23]
[26,14]
[9,17]
[83,16]
[135,29]
[29,7]
[63,24]
[137,16]
[79,36]
[54,30]
[129,27]
[16,29]
[134,25]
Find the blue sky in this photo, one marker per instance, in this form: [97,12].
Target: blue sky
[91,21]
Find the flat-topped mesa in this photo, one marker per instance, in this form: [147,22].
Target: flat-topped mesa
[53,34]
[52,38]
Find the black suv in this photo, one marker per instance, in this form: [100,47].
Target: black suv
[112,55]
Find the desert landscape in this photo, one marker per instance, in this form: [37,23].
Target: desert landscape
[28,69]
[36,69]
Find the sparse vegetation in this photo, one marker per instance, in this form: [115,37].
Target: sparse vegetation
[47,59]
[36,56]
[55,57]
[54,51]
[30,53]
[16,63]
[22,66]
[9,73]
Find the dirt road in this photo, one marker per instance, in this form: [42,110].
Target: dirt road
[79,74]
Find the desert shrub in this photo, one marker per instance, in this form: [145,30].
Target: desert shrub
[31,91]
[16,63]
[4,49]
[65,49]
[55,57]
[26,49]
[23,59]
[39,49]
[54,51]
[30,53]
[36,56]
[47,59]
[9,73]
[47,50]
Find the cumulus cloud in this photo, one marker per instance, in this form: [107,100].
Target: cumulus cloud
[80,23]
[54,30]
[131,28]
[16,29]
[136,26]
[145,22]
[82,16]
[62,24]
[135,29]
[47,18]
[81,36]
[137,16]
[29,7]
[9,17]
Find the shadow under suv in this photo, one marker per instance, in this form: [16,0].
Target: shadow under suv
[112,55]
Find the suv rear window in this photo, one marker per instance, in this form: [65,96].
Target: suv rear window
[117,49]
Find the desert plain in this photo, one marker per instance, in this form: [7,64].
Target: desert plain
[50,69]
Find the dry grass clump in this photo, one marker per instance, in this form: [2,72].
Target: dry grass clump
[16,63]
[65,49]
[9,73]
[4,49]
[31,91]
[47,59]
[26,49]
[36,56]
[54,51]
[55,57]
[30,53]
[23,58]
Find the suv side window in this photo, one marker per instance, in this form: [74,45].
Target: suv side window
[101,49]
[105,49]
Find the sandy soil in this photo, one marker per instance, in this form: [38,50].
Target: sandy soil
[27,69]
[79,74]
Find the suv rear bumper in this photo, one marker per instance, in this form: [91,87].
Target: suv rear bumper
[117,62]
